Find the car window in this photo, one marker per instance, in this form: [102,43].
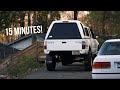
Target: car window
[92,34]
[64,31]
[110,48]
[86,31]
[83,29]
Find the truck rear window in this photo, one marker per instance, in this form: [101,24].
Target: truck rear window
[64,31]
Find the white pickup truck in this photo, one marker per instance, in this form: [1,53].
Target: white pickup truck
[69,41]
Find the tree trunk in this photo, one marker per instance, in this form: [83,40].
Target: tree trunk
[29,22]
[22,23]
[103,23]
[75,15]
[34,23]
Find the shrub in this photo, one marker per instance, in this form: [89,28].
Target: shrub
[23,66]
[101,41]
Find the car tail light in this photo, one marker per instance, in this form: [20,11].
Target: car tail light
[83,44]
[101,65]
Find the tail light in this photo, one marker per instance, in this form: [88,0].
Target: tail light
[83,44]
[101,65]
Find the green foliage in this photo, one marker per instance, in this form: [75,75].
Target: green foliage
[8,17]
[105,23]
[101,41]
[15,18]
[46,17]
[23,66]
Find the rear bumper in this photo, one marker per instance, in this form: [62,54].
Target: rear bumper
[105,75]
[79,52]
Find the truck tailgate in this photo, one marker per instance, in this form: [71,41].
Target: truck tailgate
[63,45]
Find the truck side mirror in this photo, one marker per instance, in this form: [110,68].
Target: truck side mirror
[96,37]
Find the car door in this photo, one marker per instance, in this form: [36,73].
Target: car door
[93,42]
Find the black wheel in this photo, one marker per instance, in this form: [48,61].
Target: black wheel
[88,61]
[50,63]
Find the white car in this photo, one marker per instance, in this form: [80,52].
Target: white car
[106,65]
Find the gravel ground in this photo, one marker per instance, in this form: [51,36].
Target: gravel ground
[73,71]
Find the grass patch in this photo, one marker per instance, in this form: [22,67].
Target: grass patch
[22,66]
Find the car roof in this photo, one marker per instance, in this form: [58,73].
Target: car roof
[113,40]
[61,21]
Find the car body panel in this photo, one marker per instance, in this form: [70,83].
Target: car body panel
[107,73]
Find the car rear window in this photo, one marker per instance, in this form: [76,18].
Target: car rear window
[64,31]
[110,48]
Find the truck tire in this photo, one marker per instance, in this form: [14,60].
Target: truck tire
[88,61]
[50,63]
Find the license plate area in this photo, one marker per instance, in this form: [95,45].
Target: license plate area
[75,53]
[118,65]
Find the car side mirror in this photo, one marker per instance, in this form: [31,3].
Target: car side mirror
[96,37]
